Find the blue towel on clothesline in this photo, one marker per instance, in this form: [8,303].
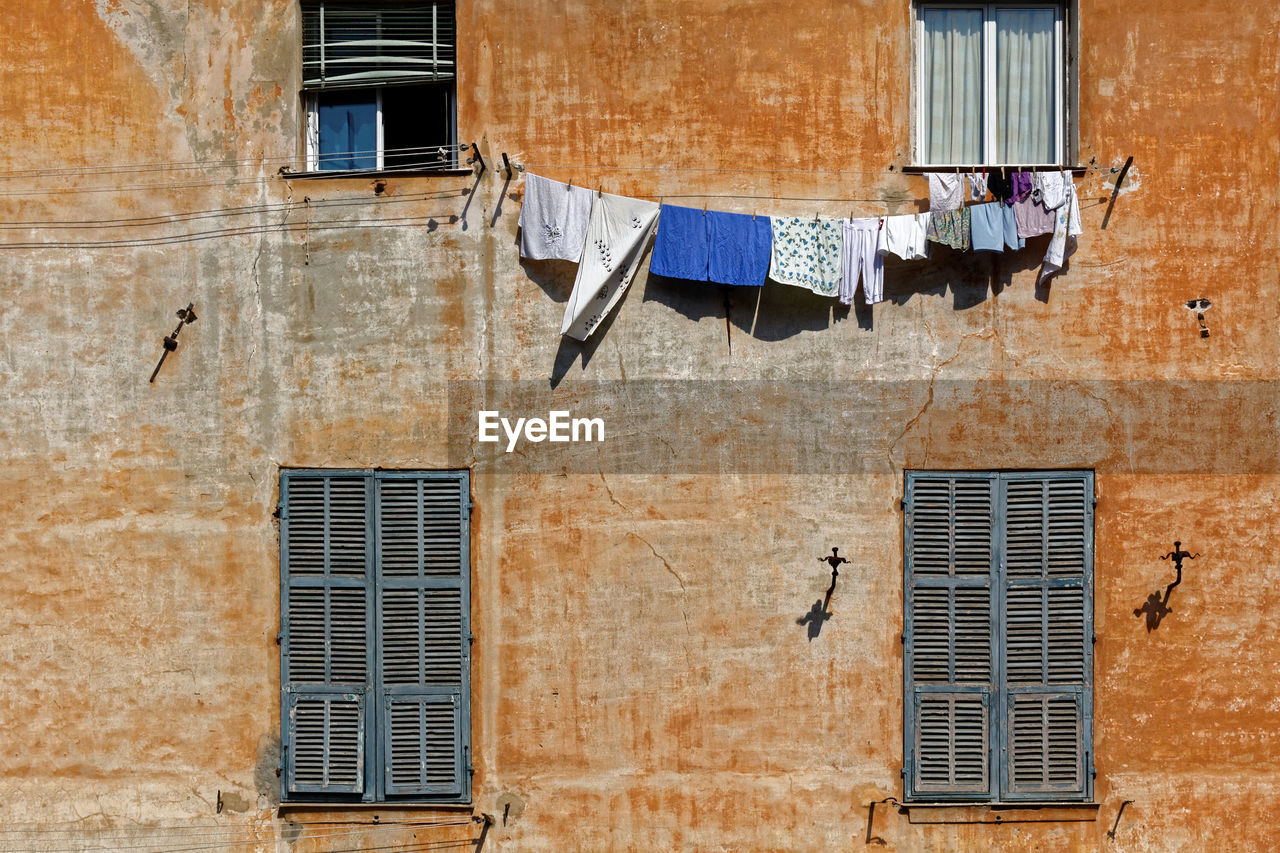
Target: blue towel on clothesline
[682,246]
[740,247]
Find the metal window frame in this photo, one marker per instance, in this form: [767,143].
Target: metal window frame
[1063,82]
[310,101]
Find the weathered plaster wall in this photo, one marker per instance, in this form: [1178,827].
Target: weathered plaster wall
[639,681]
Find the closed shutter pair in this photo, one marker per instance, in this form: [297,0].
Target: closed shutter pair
[998,636]
[375,641]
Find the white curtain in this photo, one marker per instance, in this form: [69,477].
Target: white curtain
[952,85]
[1025,102]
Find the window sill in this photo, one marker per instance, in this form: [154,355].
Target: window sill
[287,806]
[965,168]
[942,813]
[378,173]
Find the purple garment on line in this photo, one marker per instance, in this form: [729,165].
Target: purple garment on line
[1021,185]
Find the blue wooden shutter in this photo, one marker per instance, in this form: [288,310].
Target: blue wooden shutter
[326,660]
[1047,622]
[949,561]
[424,658]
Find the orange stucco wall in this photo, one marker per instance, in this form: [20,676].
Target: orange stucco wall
[639,681]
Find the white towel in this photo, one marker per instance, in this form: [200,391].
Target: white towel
[946,191]
[616,236]
[553,219]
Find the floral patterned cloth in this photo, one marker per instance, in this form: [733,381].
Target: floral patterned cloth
[806,253]
[950,228]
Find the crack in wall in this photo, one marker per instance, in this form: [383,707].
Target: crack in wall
[612,499]
[663,559]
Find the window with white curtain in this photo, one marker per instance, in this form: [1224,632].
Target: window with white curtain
[990,84]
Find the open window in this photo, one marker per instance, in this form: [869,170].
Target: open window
[379,85]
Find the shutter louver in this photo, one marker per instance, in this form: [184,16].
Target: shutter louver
[424,653]
[325,554]
[954,751]
[326,743]
[1044,748]
[948,633]
[998,636]
[1046,654]
[348,45]
[423,744]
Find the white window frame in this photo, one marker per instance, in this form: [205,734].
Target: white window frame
[1061,115]
[313,132]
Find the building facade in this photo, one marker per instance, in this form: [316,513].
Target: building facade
[286,595]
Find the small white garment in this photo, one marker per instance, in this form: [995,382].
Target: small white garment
[946,191]
[977,186]
[617,233]
[860,258]
[553,219]
[1053,186]
[1065,231]
[904,236]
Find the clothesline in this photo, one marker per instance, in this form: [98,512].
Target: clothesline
[606,235]
[1085,183]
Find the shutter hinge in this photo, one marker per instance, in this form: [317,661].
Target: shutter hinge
[470,506]
[279,637]
[279,513]
[471,638]
[902,504]
[1095,638]
[902,638]
[902,771]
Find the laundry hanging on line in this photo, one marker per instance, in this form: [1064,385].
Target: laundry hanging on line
[806,253]
[617,234]
[553,219]
[827,256]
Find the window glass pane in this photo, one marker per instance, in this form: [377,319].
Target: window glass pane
[952,85]
[348,130]
[1025,83]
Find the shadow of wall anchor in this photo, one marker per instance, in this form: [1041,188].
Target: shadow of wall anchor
[185,316]
[1156,608]
[1200,306]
